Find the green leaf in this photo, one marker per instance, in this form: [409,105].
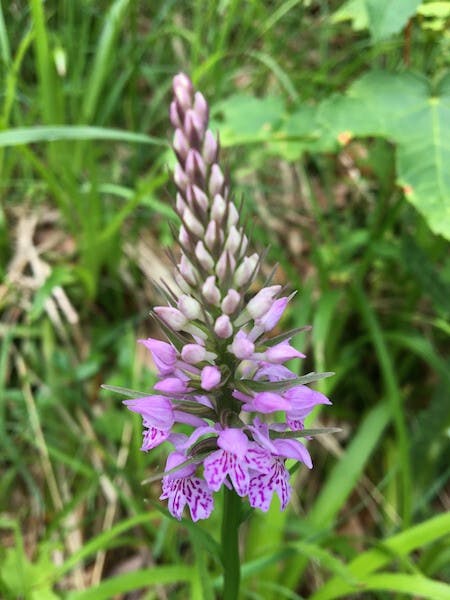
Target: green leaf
[247,119]
[354,11]
[265,386]
[136,580]
[402,107]
[52,133]
[372,560]
[386,17]
[383,18]
[438,10]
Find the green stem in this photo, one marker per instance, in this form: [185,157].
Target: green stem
[230,544]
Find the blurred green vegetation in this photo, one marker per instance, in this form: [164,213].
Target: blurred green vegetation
[334,118]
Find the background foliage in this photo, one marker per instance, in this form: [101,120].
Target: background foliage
[335,122]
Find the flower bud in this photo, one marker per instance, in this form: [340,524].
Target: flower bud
[203,256]
[174,115]
[180,177]
[245,270]
[171,385]
[183,237]
[182,97]
[223,327]
[192,223]
[273,315]
[180,144]
[180,204]
[190,307]
[171,317]
[242,347]
[261,303]
[233,215]
[181,80]
[201,107]
[210,377]
[213,235]
[200,198]
[195,167]
[182,90]
[226,263]
[187,270]
[218,208]
[210,147]
[210,291]
[269,402]
[194,127]
[193,353]
[164,355]
[216,180]
[233,240]
[281,353]
[231,302]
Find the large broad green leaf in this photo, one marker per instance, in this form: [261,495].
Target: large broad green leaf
[387,17]
[402,108]
[247,120]
[383,18]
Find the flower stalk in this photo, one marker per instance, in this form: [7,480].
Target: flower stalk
[231,520]
[220,371]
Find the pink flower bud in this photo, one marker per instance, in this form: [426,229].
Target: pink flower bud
[182,96]
[269,402]
[223,327]
[164,355]
[190,307]
[193,126]
[192,223]
[233,240]
[180,144]
[188,271]
[226,263]
[216,180]
[210,291]
[200,198]
[182,89]
[180,204]
[213,235]
[231,302]
[171,317]
[218,208]
[273,315]
[180,177]
[171,385]
[174,115]
[181,80]
[233,215]
[242,347]
[281,353]
[183,237]
[245,270]
[195,166]
[260,304]
[203,256]
[210,377]
[201,107]
[210,147]
[193,353]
